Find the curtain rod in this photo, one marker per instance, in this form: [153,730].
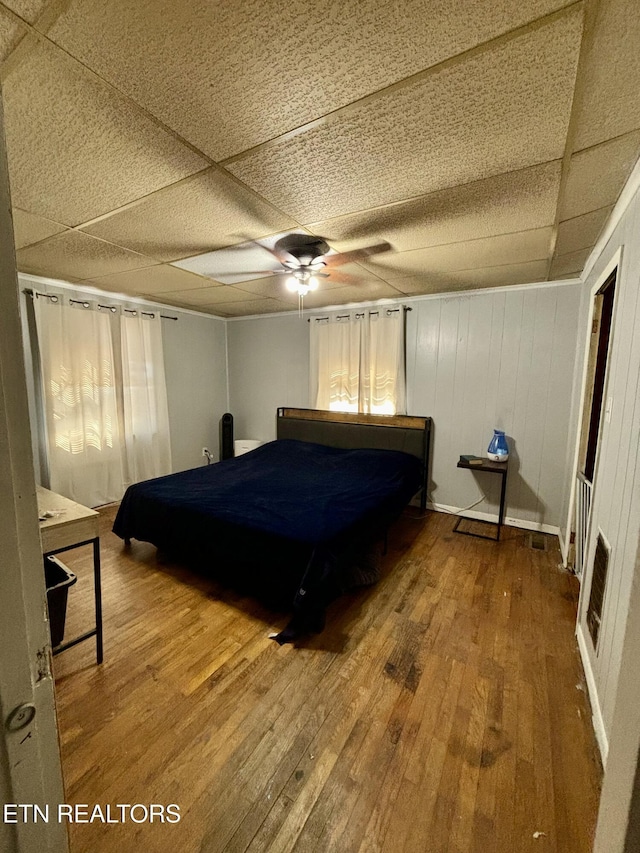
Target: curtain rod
[361,314]
[134,311]
[32,293]
[86,304]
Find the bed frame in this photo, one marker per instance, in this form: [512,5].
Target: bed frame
[408,433]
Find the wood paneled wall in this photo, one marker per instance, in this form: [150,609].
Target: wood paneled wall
[613,672]
[484,361]
[616,493]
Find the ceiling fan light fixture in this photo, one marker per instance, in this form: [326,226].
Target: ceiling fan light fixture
[301,282]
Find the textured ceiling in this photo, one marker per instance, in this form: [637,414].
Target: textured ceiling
[486,140]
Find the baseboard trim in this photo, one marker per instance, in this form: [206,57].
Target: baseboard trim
[596,713]
[510,521]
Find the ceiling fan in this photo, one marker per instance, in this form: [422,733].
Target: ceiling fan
[305,259]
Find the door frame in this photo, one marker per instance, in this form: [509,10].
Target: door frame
[614,262]
[30,769]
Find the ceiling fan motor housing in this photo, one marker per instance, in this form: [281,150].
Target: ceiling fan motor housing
[303,247]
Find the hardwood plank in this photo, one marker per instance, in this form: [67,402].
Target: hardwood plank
[437,711]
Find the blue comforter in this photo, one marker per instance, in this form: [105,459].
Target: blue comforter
[293,489]
[291,509]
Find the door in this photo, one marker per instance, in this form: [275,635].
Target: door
[30,771]
[592,412]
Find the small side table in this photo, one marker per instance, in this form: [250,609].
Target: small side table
[72,526]
[489,467]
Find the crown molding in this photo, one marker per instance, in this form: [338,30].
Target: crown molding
[41,281]
[402,300]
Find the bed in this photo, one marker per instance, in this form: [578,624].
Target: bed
[286,522]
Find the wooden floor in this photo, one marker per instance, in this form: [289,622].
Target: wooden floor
[441,711]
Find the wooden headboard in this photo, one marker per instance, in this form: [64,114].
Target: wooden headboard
[408,433]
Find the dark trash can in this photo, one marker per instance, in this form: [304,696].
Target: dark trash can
[58,579]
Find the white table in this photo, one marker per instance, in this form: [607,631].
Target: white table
[70,526]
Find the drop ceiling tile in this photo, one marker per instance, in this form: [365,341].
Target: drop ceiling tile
[76,148]
[218,295]
[233,76]
[152,280]
[78,256]
[203,212]
[497,111]
[244,309]
[610,98]
[29,228]
[473,254]
[11,31]
[566,266]
[582,231]
[597,175]
[502,276]
[30,10]
[516,201]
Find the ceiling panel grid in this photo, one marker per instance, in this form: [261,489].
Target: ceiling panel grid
[453,132]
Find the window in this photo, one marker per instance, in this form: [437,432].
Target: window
[103,399]
[357,362]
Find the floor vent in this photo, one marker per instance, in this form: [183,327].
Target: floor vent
[598,586]
[538,541]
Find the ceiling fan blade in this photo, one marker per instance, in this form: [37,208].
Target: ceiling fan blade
[287,272]
[343,278]
[263,272]
[356,255]
[279,254]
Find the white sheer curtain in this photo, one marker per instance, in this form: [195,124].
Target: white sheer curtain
[83,438]
[144,393]
[357,361]
[104,399]
[383,381]
[335,348]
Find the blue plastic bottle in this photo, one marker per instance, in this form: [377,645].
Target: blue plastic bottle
[498,450]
